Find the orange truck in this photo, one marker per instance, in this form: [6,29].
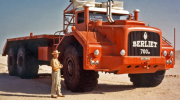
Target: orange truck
[104,37]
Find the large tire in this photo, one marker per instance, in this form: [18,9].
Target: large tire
[147,80]
[12,59]
[27,64]
[76,78]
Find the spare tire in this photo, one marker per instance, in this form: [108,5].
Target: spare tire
[27,64]
[12,59]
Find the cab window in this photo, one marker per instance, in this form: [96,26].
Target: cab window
[80,17]
[93,16]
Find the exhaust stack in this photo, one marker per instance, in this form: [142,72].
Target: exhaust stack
[136,14]
[109,13]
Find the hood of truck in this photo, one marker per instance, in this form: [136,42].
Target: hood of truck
[125,22]
[123,36]
[128,22]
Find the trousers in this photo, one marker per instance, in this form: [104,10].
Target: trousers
[56,83]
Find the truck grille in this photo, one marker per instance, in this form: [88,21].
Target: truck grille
[143,43]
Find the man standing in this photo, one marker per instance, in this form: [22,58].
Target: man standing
[56,76]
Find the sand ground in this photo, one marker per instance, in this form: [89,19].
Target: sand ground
[110,86]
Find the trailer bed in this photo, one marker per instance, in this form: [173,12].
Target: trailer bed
[45,37]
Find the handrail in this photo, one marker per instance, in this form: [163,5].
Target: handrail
[58,37]
[69,6]
[166,40]
[59,34]
[72,11]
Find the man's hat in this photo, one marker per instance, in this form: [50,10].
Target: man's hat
[55,52]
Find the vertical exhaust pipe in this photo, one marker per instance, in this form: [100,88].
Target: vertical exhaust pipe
[174,44]
[136,14]
[109,13]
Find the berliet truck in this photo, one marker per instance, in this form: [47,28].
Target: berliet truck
[102,37]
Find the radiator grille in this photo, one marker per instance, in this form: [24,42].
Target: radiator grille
[143,43]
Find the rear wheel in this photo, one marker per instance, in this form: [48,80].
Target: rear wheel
[26,64]
[147,80]
[12,59]
[76,78]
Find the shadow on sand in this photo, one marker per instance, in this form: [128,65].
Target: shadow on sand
[42,86]
[25,95]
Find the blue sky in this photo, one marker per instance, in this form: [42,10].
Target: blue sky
[20,17]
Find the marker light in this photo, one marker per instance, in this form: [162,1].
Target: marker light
[96,52]
[122,52]
[171,53]
[165,53]
[167,62]
[97,62]
[170,62]
[92,62]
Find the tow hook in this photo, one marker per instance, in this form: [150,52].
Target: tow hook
[146,65]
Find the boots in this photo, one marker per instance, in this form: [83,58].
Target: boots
[60,95]
[53,96]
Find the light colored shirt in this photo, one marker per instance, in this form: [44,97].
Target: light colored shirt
[55,63]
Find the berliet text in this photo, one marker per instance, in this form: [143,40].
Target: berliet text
[145,44]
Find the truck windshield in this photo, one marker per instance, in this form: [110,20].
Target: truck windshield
[93,16]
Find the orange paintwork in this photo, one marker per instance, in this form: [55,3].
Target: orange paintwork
[44,53]
[136,15]
[31,37]
[109,39]
[73,28]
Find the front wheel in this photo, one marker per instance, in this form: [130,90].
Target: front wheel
[76,78]
[147,80]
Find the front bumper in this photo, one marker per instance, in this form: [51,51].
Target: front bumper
[132,65]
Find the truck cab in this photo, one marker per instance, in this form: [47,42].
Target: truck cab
[91,14]
[121,37]
[115,41]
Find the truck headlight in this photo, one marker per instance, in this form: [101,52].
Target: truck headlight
[97,62]
[170,62]
[92,61]
[122,52]
[167,62]
[165,53]
[96,52]
[171,53]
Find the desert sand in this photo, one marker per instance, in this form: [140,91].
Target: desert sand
[110,86]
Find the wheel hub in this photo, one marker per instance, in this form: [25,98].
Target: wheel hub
[20,61]
[70,68]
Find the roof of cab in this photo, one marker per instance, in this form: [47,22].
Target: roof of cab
[103,10]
